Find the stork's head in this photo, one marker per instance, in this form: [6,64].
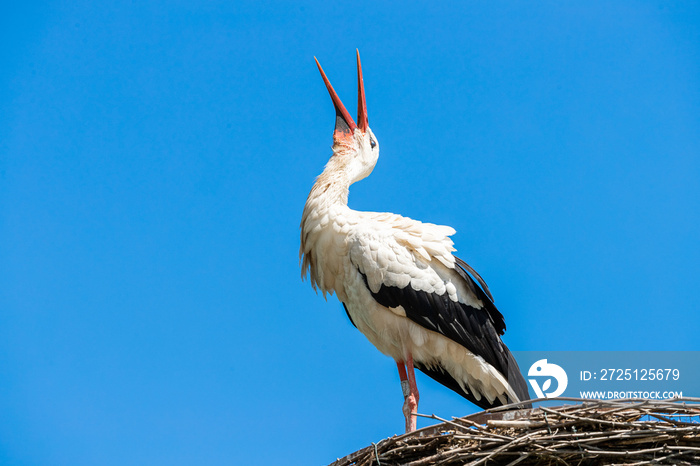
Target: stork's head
[354,145]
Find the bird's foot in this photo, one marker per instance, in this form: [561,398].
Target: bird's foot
[410,408]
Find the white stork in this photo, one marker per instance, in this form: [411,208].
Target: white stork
[399,282]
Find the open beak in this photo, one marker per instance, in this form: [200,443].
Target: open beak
[343,121]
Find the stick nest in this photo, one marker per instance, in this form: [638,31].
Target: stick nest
[629,432]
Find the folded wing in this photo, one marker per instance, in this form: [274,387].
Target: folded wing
[409,266]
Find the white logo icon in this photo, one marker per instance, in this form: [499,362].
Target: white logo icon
[544,369]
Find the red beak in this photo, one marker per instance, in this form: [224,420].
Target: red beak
[343,121]
[362,121]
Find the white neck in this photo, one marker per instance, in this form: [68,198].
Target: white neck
[330,191]
[331,186]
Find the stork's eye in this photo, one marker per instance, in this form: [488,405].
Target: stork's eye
[372,142]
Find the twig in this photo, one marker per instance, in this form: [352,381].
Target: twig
[592,431]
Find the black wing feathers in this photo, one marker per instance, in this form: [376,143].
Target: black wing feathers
[517,381]
[443,377]
[468,268]
[476,329]
[348,314]
[470,327]
[482,293]
[513,375]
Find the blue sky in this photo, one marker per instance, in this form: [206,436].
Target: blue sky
[155,158]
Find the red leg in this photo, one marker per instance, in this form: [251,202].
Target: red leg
[411,404]
[405,387]
[410,392]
